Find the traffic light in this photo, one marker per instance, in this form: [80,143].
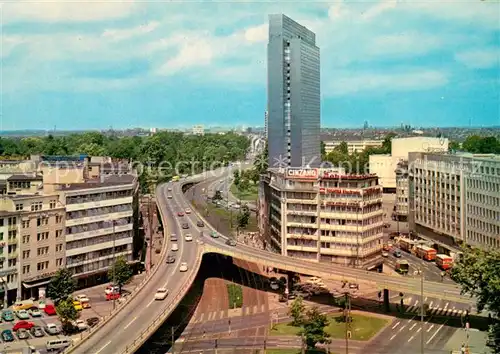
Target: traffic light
[379,295]
[401,294]
[216,343]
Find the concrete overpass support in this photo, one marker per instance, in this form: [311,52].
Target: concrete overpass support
[292,276]
[386,300]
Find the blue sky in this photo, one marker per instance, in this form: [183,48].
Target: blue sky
[150,64]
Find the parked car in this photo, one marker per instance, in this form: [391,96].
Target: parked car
[111,289]
[23,315]
[7,315]
[22,333]
[7,335]
[170,259]
[23,324]
[112,296]
[82,298]
[78,305]
[52,329]
[34,312]
[50,310]
[161,294]
[92,321]
[200,223]
[37,332]
[81,325]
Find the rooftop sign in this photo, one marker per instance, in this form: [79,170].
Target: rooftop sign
[304,173]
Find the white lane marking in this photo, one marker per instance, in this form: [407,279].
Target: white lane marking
[402,327]
[430,305]
[397,324]
[416,303]
[412,326]
[410,339]
[130,322]
[425,299]
[419,329]
[393,337]
[104,346]
[150,303]
[435,333]
[431,327]
[446,306]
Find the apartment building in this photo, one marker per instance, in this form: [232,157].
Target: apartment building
[322,215]
[99,225]
[455,199]
[352,145]
[9,275]
[402,192]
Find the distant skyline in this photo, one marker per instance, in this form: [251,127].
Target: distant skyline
[130,64]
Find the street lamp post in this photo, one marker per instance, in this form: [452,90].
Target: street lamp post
[421,273]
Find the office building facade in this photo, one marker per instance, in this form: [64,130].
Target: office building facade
[455,199]
[322,215]
[293,94]
[402,192]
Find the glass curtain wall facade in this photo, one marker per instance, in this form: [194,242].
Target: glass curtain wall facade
[293,94]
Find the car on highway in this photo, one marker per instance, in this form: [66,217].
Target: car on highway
[161,294]
[188,237]
[173,237]
[22,324]
[52,329]
[34,312]
[188,211]
[231,242]
[37,331]
[22,333]
[7,335]
[214,234]
[50,310]
[22,314]
[385,254]
[180,213]
[183,267]
[397,254]
[169,189]
[170,259]
[185,226]
[169,196]
[175,247]
[7,315]
[200,223]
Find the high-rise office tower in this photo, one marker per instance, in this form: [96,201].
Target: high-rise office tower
[293,94]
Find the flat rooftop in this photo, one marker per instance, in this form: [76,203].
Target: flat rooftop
[107,181]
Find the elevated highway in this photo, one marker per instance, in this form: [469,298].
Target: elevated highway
[127,331]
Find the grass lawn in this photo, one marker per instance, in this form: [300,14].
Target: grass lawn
[235,294]
[252,194]
[362,327]
[224,216]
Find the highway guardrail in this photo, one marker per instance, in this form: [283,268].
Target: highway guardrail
[157,322]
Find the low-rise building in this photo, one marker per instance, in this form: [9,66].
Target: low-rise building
[321,215]
[352,145]
[455,199]
[198,130]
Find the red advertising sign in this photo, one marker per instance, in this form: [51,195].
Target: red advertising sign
[302,173]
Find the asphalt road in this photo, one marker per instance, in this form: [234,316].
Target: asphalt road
[125,326]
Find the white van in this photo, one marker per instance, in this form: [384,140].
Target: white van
[56,344]
[175,247]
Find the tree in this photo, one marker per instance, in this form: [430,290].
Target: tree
[217,196]
[453,146]
[61,286]
[322,148]
[120,273]
[243,217]
[342,148]
[67,313]
[313,330]
[297,311]
[236,178]
[478,273]
[244,185]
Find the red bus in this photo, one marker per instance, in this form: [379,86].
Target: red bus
[444,261]
[427,253]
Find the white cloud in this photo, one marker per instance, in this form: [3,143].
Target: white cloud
[480,58]
[257,34]
[380,8]
[345,83]
[408,44]
[122,34]
[66,11]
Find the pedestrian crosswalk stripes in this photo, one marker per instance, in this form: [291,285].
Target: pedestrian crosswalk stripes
[436,311]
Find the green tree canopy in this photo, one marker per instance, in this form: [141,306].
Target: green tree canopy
[243,217]
[120,273]
[61,286]
[297,311]
[313,329]
[67,314]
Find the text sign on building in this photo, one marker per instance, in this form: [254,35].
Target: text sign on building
[307,173]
